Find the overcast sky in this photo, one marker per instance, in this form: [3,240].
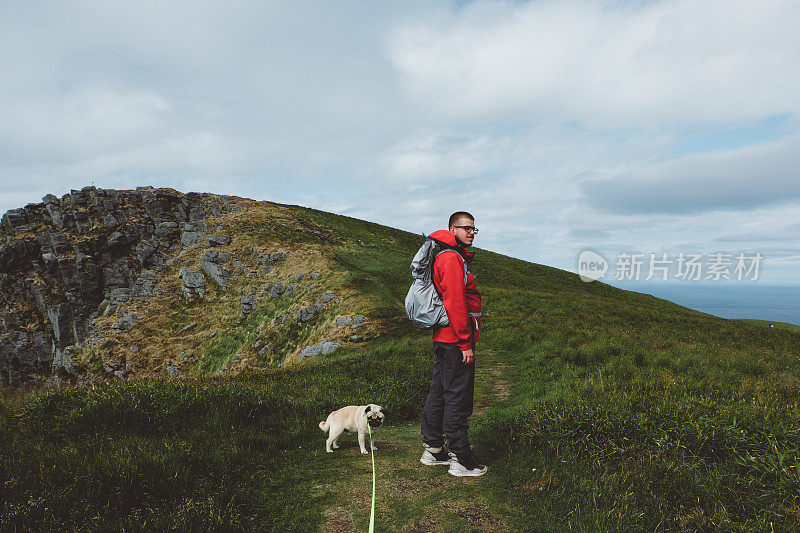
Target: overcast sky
[649,127]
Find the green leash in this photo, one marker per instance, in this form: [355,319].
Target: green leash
[372,512]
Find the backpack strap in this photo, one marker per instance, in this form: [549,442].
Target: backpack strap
[462,260]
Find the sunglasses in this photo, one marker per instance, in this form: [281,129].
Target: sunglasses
[471,229]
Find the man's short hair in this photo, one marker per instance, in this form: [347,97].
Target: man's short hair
[458,214]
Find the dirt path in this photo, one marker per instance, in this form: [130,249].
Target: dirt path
[412,497]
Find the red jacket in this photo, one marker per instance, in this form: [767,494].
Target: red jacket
[462,302]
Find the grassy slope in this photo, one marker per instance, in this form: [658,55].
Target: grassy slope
[625,411]
[204,337]
[767,323]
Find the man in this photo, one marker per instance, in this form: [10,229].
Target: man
[450,395]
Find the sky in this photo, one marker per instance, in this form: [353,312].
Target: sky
[641,127]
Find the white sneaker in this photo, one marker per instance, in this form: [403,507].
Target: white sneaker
[439,458]
[469,470]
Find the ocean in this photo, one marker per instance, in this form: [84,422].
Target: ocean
[778,303]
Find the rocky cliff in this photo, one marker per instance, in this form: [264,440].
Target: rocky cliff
[77,271]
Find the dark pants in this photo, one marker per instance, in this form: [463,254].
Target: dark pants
[449,401]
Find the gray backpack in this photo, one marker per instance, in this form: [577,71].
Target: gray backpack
[423,302]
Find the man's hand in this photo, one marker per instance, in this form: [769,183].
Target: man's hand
[468,356]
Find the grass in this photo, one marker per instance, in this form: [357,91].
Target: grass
[204,337]
[596,409]
[206,454]
[767,323]
[629,412]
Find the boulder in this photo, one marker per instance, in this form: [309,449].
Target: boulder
[330,347]
[147,252]
[192,278]
[193,283]
[16,221]
[116,239]
[218,274]
[218,240]
[215,256]
[145,285]
[248,304]
[310,351]
[189,238]
[60,243]
[271,257]
[307,313]
[277,290]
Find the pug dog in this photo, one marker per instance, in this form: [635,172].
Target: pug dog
[352,419]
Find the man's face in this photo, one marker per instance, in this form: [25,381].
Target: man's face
[463,236]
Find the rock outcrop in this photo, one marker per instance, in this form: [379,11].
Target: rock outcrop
[65,261]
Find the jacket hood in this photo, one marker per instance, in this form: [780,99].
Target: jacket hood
[447,238]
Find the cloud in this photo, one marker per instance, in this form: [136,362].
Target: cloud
[765,233]
[606,63]
[80,124]
[741,179]
[403,113]
[586,233]
[436,157]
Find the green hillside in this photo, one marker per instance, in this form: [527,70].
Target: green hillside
[596,409]
[770,324]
